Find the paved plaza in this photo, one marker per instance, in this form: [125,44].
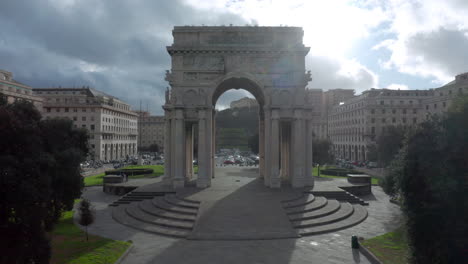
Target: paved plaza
[236,219]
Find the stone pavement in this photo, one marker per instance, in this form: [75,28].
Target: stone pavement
[327,248]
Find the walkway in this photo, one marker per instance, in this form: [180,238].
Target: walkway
[224,221]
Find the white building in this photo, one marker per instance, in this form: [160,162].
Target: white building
[112,126]
[150,130]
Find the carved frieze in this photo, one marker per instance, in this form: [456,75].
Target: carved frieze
[203,63]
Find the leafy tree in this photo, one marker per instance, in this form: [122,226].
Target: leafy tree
[389,143]
[321,151]
[431,174]
[39,179]
[86,215]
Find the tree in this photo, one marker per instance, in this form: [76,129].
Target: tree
[431,174]
[39,179]
[321,151]
[389,143]
[86,215]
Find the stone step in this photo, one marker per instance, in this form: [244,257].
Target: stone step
[119,214]
[331,207]
[149,208]
[187,200]
[135,212]
[318,203]
[359,215]
[162,204]
[346,209]
[174,200]
[342,196]
[306,199]
[137,197]
[151,193]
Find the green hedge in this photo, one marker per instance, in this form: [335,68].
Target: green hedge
[338,172]
[129,172]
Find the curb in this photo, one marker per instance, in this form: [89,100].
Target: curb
[124,255]
[369,255]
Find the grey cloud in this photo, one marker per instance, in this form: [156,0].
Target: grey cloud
[43,44]
[444,49]
[325,75]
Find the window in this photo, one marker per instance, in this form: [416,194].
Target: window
[415,120]
[383,120]
[372,111]
[373,130]
[83,118]
[66,109]
[75,118]
[83,126]
[411,101]
[444,104]
[92,118]
[84,110]
[427,107]
[92,127]
[382,102]
[393,111]
[75,110]
[404,120]
[383,111]
[404,111]
[415,111]
[48,110]
[435,106]
[92,145]
[401,102]
[57,110]
[393,120]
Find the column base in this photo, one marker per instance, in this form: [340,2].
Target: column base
[203,184]
[275,183]
[178,183]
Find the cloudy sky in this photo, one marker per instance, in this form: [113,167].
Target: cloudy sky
[118,46]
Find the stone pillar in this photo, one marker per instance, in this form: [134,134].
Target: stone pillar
[309,180]
[167,149]
[202,180]
[267,147]
[275,181]
[179,151]
[299,150]
[209,144]
[189,151]
[213,142]
[285,139]
[261,146]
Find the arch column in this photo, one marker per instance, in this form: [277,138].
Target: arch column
[203,179]
[178,158]
[167,148]
[261,146]
[275,181]
[267,147]
[298,179]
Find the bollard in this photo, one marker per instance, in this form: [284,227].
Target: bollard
[354,242]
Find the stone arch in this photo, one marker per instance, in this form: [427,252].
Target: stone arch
[236,80]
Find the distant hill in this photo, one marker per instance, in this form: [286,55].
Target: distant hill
[234,127]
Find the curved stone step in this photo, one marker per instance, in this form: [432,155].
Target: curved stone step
[359,215]
[174,200]
[187,200]
[119,214]
[318,203]
[306,199]
[135,212]
[149,208]
[331,207]
[345,211]
[162,204]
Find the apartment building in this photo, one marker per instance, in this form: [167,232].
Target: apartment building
[112,125]
[14,90]
[151,130]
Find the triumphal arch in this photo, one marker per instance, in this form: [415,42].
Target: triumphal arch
[269,62]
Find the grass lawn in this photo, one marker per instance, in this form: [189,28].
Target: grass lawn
[315,173]
[391,248]
[69,245]
[158,170]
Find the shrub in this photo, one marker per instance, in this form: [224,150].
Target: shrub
[129,171]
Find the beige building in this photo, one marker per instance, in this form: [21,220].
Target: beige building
[14,90]
[354,124]
[111,124]
[443,96]
[150,130]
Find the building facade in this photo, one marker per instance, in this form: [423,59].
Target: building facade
[356,123]
[150,130]
[14,90]
[112,126]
